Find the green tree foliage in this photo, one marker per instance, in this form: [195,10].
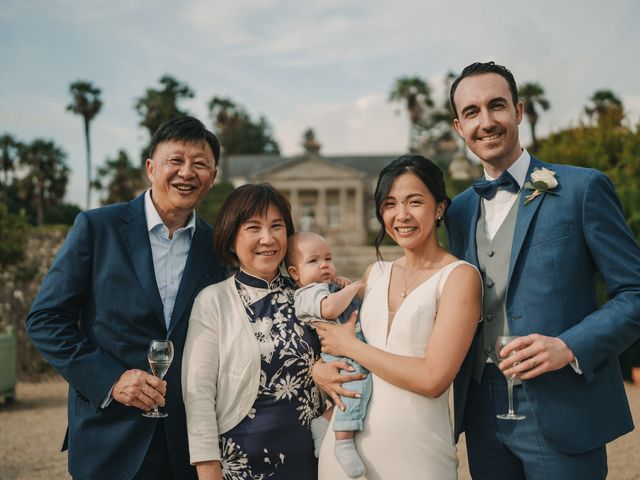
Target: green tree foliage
[532,95]
[606,108]
[85,102]
[9,149]
[415,93]
[120,178]
[238,132]
[443,116]
[430,123]
[209,207]
[46,174]
[13,240]
[157,106]
[614,150]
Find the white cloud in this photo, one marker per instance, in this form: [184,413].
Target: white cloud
[632,108]
[369,124]
[326,64]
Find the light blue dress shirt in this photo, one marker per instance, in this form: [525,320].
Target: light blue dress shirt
[169,260]
[169,254]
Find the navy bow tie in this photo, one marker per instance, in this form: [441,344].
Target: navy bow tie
[488,188]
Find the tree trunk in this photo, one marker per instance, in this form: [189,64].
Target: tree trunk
[39,201]
[88,143]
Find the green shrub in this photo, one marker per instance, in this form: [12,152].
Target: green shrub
[13,236]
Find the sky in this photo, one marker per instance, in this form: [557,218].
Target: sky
[324,64]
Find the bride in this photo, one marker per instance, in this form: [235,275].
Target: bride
[419,317]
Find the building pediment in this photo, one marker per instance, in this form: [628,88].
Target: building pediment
[310,168]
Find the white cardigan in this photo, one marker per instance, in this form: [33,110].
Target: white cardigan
[220,368]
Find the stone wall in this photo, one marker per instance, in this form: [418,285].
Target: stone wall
[18,287]
[352,261]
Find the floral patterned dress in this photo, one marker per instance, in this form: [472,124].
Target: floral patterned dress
[274,440]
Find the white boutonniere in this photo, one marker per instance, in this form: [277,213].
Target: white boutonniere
[542,181]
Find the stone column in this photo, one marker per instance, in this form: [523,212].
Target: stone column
[295,205]
[344,208]
[321,210]
[361,221]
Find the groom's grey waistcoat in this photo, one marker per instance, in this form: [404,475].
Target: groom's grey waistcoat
[493,258]
[562,242]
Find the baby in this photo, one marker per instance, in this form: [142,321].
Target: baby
[310,264]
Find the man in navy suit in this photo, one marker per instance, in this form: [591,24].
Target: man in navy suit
[540,234]
[127,274]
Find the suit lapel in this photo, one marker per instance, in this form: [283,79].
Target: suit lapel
[197,260]
[526,213]
[136,238]
[471,252]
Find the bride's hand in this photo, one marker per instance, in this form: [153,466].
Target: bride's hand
[328,377]
[338,339]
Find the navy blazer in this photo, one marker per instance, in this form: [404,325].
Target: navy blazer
[95,314]
[562,241]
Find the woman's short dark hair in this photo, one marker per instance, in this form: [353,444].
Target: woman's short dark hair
[243,203]
[423,168]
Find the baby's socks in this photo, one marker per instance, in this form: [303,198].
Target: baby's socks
[318,430]
[348,458]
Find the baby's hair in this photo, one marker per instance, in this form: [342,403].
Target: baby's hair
[292,246]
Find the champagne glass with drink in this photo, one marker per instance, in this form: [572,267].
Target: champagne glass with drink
[160,355]
[501,342]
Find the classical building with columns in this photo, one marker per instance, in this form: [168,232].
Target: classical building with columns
[331,195]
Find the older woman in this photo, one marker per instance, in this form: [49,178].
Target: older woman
[247,387]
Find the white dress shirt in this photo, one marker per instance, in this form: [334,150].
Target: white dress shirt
[496,209]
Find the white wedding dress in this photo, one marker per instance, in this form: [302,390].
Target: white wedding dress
[406,435]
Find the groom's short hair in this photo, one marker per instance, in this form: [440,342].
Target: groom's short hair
[478,68]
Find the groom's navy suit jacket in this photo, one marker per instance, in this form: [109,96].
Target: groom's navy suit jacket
[562,241]
[94,316]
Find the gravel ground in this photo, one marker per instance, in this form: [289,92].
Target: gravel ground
[32,429]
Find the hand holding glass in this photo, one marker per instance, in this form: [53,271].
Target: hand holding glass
[501,342]
[160,355]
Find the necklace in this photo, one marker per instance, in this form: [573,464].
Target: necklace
[409,283]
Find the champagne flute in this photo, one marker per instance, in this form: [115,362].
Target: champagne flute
[501,341]
[160,355]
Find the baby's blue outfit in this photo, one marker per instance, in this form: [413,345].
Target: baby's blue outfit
[307,307]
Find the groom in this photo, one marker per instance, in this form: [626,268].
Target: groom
[540,251]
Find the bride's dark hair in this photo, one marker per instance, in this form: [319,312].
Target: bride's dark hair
[423,168]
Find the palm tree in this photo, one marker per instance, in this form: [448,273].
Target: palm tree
[224,114]
[8,156]
[46,177]
[125,181]
[416,94]
[606,106]
[86,103]
[238,132]
[159,106]
[532,95]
